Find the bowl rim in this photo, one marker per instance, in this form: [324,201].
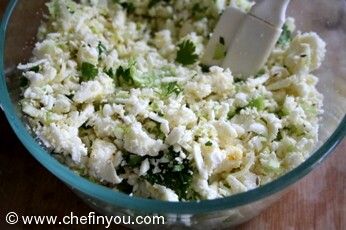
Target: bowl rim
[122,200]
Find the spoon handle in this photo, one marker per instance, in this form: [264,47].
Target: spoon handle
[271,11]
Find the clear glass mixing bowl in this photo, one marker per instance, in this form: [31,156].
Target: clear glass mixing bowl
[326,17]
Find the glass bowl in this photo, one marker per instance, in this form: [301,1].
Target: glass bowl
[326,17]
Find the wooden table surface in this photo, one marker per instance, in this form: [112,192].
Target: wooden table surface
[318,201]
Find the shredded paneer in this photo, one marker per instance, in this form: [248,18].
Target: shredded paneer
[116,90]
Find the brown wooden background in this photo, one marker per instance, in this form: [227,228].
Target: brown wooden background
[316,202]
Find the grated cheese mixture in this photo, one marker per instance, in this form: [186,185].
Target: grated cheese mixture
[117,92]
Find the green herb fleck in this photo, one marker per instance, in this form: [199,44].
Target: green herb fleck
[178,168]
[35,69]
[89,71]
[186,53]
[204,68]
[209,143]
[125,76]
[109,72]
[101,48]
[134,161]
[128,6]
[309,110]
[154,128]
[234,111]
[54,8]
[238,79]
[70,10]
[174,175]
[279,136]
[285,37]
[295,130]
[258,103]
[23,82]
[169,88]
[198,10]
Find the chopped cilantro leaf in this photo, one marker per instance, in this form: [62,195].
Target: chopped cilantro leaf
[35,69]
[174,175]
[124,73]
[54,8]
[186,53]
[170,88]
[23,81]
[89,71]
[233,112]
[109,72]
[257,103]
[198,10]
[178,168]
[209,143]
[128,77]
[238,79]
[125,76]
[285,37]
[154,128]
[148,79]
[70,96]
[309,110]
[204,68]
[101,48]
[134,160]
[295,130]
[128,6]
[70,10]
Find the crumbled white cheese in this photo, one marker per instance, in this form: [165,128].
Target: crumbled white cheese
[101,162]
[114,89]
[137,141]
[64,139]
[305,53]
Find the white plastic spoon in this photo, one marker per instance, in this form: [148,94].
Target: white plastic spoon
[243,42]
